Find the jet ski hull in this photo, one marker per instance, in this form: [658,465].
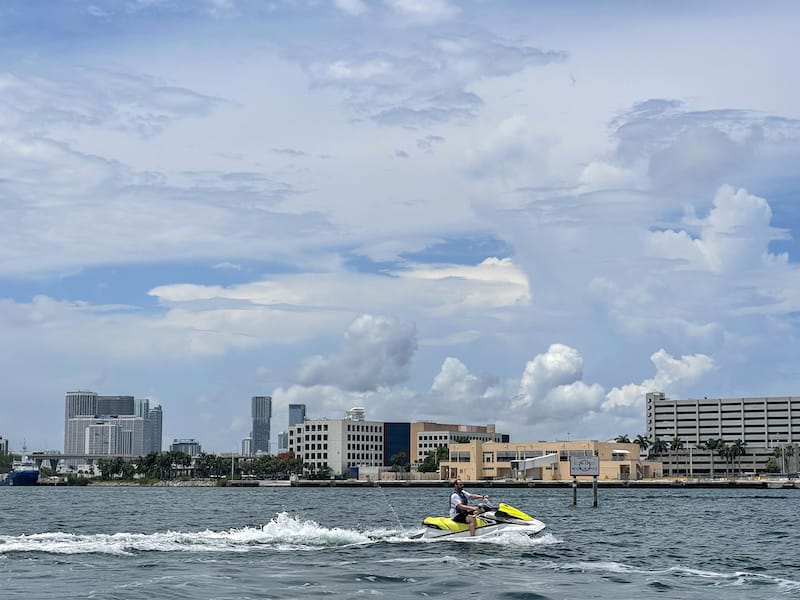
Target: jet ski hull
[493,522]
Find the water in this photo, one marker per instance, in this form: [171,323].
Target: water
[220,543]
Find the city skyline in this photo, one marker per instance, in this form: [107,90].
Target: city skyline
[525,213]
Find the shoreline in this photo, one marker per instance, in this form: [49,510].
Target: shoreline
[785,484]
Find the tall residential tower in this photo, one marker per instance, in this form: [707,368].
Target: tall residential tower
[262,413]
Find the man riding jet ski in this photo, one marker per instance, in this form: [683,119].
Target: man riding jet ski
[482,520]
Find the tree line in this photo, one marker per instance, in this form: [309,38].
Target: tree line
[730,453]
[168,466]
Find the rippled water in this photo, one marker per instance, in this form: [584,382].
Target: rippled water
[204,543]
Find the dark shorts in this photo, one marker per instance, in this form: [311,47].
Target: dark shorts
[460,518]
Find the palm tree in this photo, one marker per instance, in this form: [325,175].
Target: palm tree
[622,439]
[711,444]
[659,447]
[724,452]
[737,450]
[643,442]
[675,445]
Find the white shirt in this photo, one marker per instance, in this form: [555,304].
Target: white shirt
[455,500]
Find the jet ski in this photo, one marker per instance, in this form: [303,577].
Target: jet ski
[489,522]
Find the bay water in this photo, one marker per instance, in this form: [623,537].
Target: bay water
[270,542]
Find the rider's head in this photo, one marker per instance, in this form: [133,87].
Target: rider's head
[458,484]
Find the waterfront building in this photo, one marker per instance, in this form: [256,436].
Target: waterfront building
[338,444]
[768,426]
[297,414]
[110,425]
[397,441]
[187,446]
[477,460]
[261,412]
[427,436]
[353,442]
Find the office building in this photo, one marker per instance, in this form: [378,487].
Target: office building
[261,410]
[247,446]
[110,425]
[764,424]
[427,436]
[337,444]
[3,446]
[396,441]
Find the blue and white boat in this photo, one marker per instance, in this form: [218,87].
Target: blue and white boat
[23,472]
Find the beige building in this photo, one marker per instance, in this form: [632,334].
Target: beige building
[427,436]
[478,460]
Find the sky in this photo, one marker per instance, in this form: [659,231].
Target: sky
[524,213]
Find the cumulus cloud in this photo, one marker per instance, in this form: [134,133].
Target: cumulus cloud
[376,351]
[551,387]
[455,390]
[670,372]
[733,237]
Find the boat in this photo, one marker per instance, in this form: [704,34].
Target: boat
[490,521]
[23,472]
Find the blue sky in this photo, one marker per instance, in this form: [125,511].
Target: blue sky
[521,213]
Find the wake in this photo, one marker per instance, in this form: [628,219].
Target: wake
[284,532]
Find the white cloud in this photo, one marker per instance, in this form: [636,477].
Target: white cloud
[670,372]
[354,8]
[733,238]
[424,12]
[551,386]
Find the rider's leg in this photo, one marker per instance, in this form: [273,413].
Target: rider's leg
[471,521]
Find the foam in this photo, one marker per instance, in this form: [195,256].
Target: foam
[284,532]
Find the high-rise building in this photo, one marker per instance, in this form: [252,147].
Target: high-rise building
[3,446]
[155,424]
[297,414]
[80,404]
[114,406]
[113,425]
[247,446]
[261,413]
